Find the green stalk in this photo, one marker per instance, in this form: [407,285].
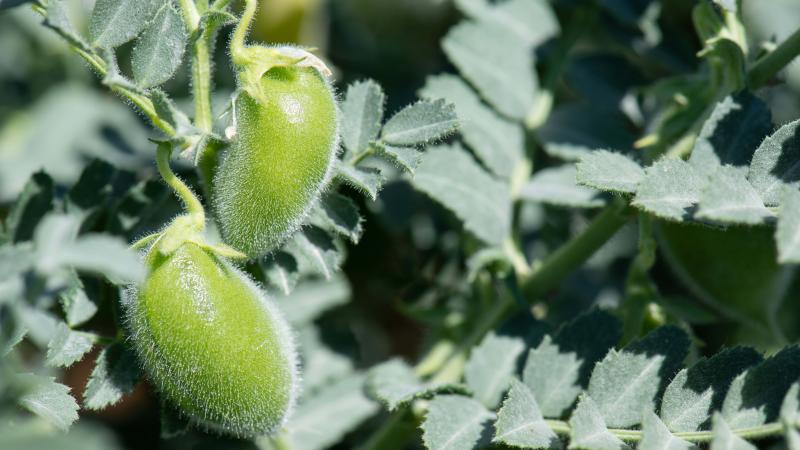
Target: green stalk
[190,201]
[772,63]
[750,433]
[240,33]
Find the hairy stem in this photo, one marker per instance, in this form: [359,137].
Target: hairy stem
[201,67]
[190,201]
[240,32]
[772,63]
[750,433]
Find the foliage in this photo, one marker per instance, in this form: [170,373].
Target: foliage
[586,226]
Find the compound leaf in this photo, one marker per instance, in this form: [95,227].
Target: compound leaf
[454,422]
[520,422]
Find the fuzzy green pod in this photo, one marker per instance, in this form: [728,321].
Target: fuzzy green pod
[212,343]
[280,159]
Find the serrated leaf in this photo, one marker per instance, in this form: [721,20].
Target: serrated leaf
[77,306]
[655,435]
[609,171]
[520,422]
[696,392]
[323,419]
[498,142]
[589,431]
[339,214]
[365,179]
[58,20]
[559,368]
[68,346]
[787,233]
[211,20]
[497,62]
[731,134]
[47,399]
[490,367]
[755,396]
[35,200]
[362,113]
[724,439]
[312,297]
[395,384]
[790,408]
[420,123]
[455,423]
[115,22]
[776,164]
[627,381]
[280,270]
[573,130]
[451,177]
[557,186]
[729,198]
[159,50]
[669,189]
[315,252]
[407,158]
[532,20]
[116,373]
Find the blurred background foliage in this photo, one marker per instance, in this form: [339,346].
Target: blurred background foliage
[56,116]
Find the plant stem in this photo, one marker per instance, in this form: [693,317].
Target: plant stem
[201,83]
[240,32]
[770,64]
[190,201]
[572,254]
[769,429]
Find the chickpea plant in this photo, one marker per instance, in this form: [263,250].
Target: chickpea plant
[554,164]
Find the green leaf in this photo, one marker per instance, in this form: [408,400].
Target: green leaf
[395,384]
[497,62]
[559,368]
[731,134]
[77,306]
[576,129]
[362,113]
[520,422]
[8,4]
[609,171]
[588,430]
[787,233]
[755,396]
[321,364]
[315,252]
[167,110]
[532,20]
[455,423]
[35,200]
[159,50]
[490,367]
[498,142]
[557,186]
[313,297]
[68,346]
[281,271]
[724,439]
[669,189]
[776,164]
[421,123]
[790,408]
[99,253]
[628,381]
[656,435]
[407,158]
[323,419]
[115,22]
[115,374]
[449,175]
[47,399]
[339,214]
[696,392]
[368,180]
[730,199]
[58,21]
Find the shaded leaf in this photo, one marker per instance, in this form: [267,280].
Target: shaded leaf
[366,179]
[609,171]
[576,129]
[407,158]
[520,422]
[557,186]
[159,50]
[450,176]
[490,367]
[787,233]
[115,374]
[395,384]
[35,200]
[362,113]
[315,252]
[532,20]
[776,164]
[313,297]
[58,20]
[339,214]
[646,365]
[47,399]
[280,270]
